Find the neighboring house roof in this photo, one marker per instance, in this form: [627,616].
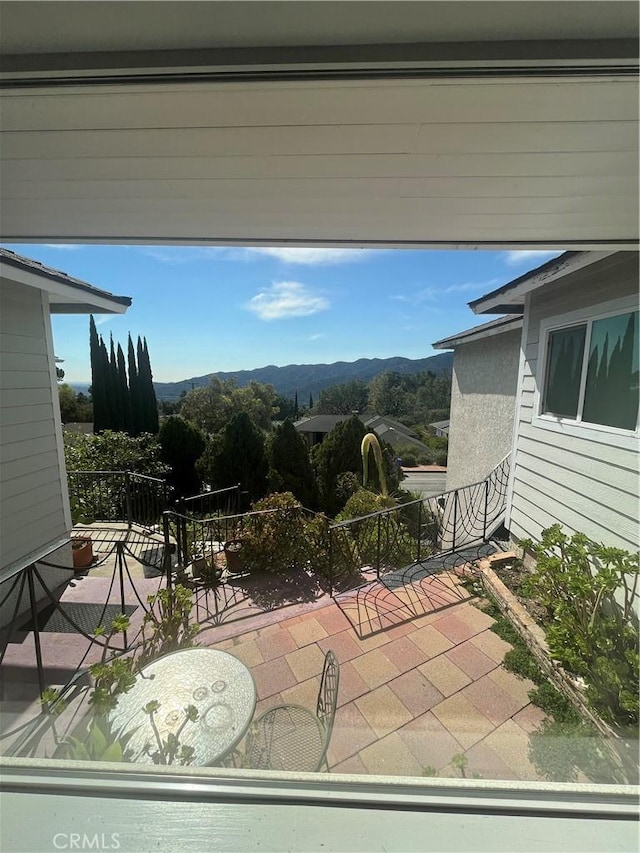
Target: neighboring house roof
[397,439]
[509,299]
[485,330]
[319,423]
[383,421]
[67,295]
[440,424]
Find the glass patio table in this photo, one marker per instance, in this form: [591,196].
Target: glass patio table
[216,683]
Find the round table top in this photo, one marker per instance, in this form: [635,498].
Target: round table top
[216,683]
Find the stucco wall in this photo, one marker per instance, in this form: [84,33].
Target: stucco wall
[483,393]
[583,477]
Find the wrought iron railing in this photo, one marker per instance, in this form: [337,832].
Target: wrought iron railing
[402,535]
[471,513]
[227,501]
[117,496]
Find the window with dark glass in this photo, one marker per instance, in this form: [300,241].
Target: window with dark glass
[564,369]
[608,395]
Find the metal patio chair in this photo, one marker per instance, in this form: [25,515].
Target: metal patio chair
[291,737]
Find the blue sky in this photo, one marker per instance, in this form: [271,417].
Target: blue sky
[204,309]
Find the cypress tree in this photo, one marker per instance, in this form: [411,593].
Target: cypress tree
[97,379]
[105,379]
[123,393]
[310,402]
[134,396]
[295,407]
[153,424]
[114,385]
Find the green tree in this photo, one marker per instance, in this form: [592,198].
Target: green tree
[337,454]
[182,444]
[343,399]
[237,455]
[68,403]
[135,401]
[289,465]
[211,408]
[98,379]
[148,402]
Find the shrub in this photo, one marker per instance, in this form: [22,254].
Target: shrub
[592,634]
[277,540]
[237,455]
[182,444]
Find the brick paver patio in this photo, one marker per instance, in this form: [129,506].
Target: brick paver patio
[410,698]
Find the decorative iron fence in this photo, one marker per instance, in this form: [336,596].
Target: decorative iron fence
[227,501]
[406,534]
[111,496]
[471,513]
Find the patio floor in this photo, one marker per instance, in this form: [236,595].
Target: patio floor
[410,698]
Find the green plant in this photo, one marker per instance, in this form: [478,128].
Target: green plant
[370,442]
[169,750]
[99,744]
[554,703]
[114,676]
[520,661]
[460,762]
[591,590]
[276,540]
[166,626]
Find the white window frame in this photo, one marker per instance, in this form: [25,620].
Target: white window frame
[576,426]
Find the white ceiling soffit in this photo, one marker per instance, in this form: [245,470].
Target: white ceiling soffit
[499,124]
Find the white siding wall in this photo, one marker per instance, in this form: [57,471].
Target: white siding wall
[33,501]
[587,482]
[483,399]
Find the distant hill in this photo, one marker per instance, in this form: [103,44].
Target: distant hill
[308,379]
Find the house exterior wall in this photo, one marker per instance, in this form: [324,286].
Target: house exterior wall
[483,394]
[34,510]
[584,477]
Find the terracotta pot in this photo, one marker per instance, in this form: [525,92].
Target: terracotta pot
[82,550]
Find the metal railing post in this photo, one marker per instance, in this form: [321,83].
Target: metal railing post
[378,551]
[127,492]
[167,548]
[455,519]
[419,551]
[120,560]
[36,628]
[486,506]
[331,562]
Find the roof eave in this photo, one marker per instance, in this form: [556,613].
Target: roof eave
[510,297]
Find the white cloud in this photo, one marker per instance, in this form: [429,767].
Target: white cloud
[526,256]
[106,318]
[66,247]
[286,299]
[317,337]
[433,293]
[310,256]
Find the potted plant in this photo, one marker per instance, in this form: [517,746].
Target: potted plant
[233,556]
[82,552]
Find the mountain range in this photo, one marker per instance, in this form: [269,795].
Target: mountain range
[306,379]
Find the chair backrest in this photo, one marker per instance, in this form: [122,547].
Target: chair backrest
[328,693]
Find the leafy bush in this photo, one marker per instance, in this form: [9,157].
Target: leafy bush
[276,541]
[380,541]
[592,635]
[521,661]
[114,451]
